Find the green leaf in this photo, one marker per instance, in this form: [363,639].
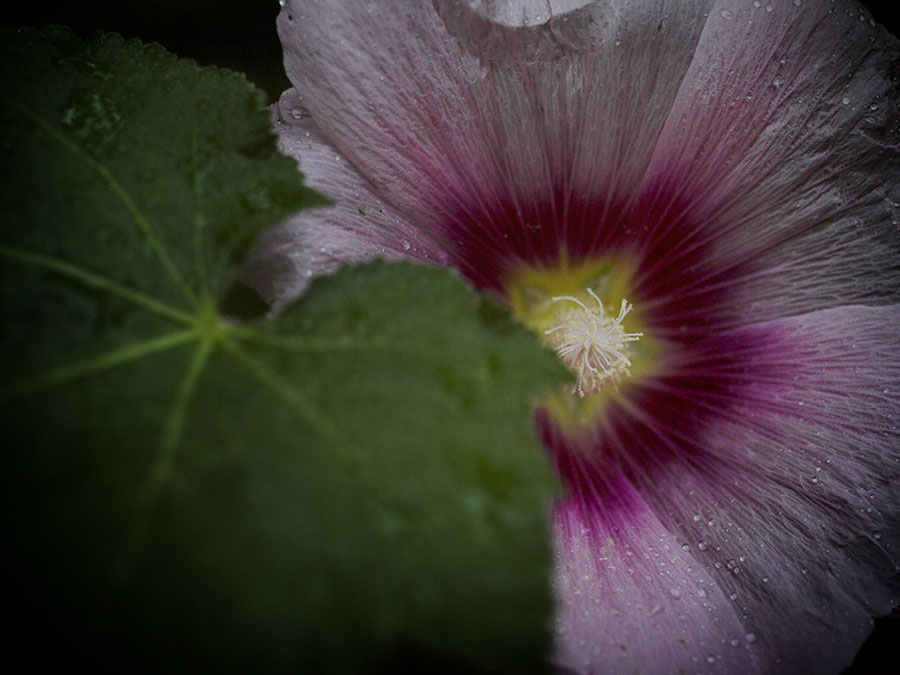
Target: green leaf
[351,486]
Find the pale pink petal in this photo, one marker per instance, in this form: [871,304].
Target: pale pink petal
[359,226]
[784,146]
[633,601]
[520,13]
[456,110]
[788,497]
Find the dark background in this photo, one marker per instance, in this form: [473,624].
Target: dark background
[236,34]
[241,35]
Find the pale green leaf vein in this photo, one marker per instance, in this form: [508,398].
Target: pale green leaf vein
[93,280]
[174,426]
[199,234]
[116,188]
[297,401]
[161,469]
[334,344]
[69,372]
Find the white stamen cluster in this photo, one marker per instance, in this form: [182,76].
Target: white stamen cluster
[591,343]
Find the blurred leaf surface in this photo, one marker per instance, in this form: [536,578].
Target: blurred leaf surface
[313,491]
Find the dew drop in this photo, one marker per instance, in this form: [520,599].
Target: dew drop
[750,638]
[797,3]
[727,14]
[735,642]
[406,244]
[757,4]
[769,8]
[675,593]
[703,545]
[846,100]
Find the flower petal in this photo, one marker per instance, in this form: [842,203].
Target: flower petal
[633,601]
[789,498]
[783,142]
[360,225]
[455,109]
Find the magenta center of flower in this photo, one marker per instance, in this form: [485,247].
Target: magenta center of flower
[635,299]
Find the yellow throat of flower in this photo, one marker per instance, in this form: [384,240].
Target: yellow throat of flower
[582,311]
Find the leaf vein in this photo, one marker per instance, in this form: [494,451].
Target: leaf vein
[161,468]
[297,401]
[93,366]
[140,220]
[97,281]
[335,344]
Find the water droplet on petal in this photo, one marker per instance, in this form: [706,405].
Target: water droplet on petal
[727,14]
[750,638]
[406,244]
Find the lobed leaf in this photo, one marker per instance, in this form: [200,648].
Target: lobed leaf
[333,490]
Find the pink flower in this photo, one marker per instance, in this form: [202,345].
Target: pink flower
[696,204]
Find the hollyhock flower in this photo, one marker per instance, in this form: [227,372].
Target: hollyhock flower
[695,202]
